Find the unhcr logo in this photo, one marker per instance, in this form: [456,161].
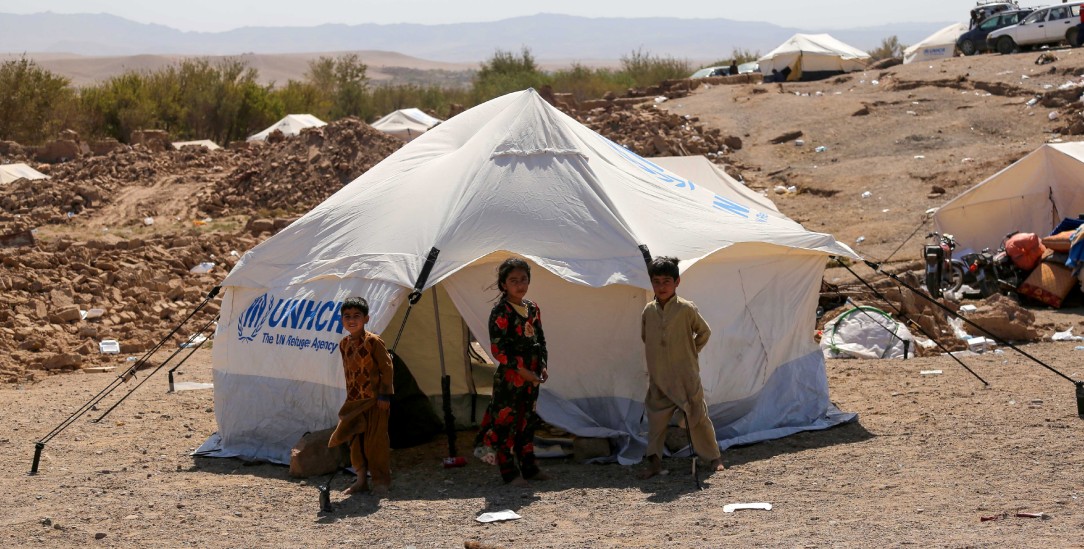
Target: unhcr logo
[251,321]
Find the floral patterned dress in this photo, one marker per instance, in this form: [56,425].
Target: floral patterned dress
[506,435]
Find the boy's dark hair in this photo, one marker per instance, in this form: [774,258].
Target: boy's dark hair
[506,268]
[664,266]
[356,303]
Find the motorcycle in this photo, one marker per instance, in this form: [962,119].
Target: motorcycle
[943,273]
[993,272]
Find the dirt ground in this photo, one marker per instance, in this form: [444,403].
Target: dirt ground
[928,458]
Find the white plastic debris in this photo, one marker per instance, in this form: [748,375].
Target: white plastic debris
[930,373]
[109,347]
[968,308]
[194,341]
[919,156]
[1067,335]
[506,514]
[867,194]
[1031,102]
[94,313]
[1053,115]
[860,240]
[821,149]
[148,221]
[661,99]
[799,142]
[731,507]
[204,267]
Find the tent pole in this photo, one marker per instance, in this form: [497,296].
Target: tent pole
[445,380]
[416,294]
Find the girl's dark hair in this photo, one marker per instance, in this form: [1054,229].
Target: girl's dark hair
[506,268]
[664,266]
[357,303]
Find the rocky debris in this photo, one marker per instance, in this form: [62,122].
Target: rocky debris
[144,287]
[649,131]
[296,174]
[153,140]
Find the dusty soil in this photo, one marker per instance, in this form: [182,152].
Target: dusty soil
[928,458]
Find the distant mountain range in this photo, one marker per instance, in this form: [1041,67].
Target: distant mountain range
[549,37]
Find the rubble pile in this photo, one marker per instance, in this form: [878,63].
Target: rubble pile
[649,131]
[60,299]
[294,175]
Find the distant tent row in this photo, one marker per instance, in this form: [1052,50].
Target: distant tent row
[292,124]
[14,172]
[812,57]
[205,143]
[939,45]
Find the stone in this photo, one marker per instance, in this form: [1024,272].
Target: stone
[62,361]
[585,448]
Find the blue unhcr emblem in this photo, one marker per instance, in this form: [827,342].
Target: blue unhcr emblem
[251,321]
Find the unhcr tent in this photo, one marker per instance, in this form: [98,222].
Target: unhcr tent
[516,176]
[14,172]
[939,45]
[292,124]
[813,56]
[406,124]
[1032,195]
[701,171]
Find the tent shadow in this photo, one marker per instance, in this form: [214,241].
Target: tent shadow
[848,433]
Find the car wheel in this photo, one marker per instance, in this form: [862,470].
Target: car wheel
[1006,45]
[967,47]
[1071,37]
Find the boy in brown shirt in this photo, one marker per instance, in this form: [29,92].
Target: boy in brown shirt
[674,333]
[363,418]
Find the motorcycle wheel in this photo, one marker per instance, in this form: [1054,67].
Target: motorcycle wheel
[956,278]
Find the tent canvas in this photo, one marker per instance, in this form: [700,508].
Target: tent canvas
[291,124]
[516,176]
[811,56]
[205,143]
[939,45]
[1032,195]
[14,172]
[406,124]
[699,170]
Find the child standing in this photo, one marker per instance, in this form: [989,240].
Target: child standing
[674,333]
[506,435]
[363,418]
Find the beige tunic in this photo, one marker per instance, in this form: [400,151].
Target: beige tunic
[673,337]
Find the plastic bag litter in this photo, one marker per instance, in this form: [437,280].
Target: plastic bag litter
[204,267]
[506,514]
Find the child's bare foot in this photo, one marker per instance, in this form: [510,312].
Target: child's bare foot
[654,467]
[381,490]
[540,476]
[717,464]
[518,482]
[357,487]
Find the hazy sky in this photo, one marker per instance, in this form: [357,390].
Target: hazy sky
[219,15]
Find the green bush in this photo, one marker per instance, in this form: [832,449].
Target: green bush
[34,103]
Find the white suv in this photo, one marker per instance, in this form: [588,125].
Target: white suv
[1051,25]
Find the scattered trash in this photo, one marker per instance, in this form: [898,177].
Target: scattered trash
[867,194]
[886,210]
[131,359]
[1079,348]
[979,344]
[194,341]
[204,267]
[1067,335]
[799,142]
[821,149]
[1032,101]
[99,369]
[148,221]
[874,82]
[860,240]
[912,113]
[792,189]
[993,517]
[968,159]
[919,156]
[1043,516]
[731,507]
[930,373]
[109,347]
[659,99]
[1053,115]
[507,514]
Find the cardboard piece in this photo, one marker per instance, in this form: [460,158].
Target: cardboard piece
[1048,283]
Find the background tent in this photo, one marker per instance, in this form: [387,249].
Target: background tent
[205,143]
[406,124]
[1032,195]
[292,124]
[938,45]
[516,176]
[13,172]
[813,56]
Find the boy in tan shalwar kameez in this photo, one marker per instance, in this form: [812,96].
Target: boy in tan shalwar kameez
[674,333]
[363,418]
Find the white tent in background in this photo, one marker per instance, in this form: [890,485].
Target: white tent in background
[938,45]
[205,143]
[1032,195]
[702,171]
[14,172]
[406,124]
[812,56]
[516,176]
[292,124]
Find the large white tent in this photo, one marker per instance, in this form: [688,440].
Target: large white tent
[704,172]
[516,176]
[14,172]
[939,45]
[406,124]
[1032,195]
[813,55]
[291,124]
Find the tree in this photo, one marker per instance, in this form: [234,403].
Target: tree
[344,84]
[34,102]
[506,72]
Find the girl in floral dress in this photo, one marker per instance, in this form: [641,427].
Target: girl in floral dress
[506,436]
